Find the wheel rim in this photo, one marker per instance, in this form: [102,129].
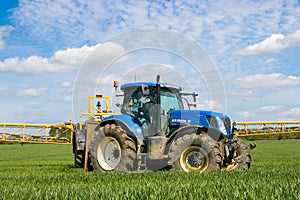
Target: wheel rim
[109,153]
[194,158]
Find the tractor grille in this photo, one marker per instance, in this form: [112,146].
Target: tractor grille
[227,124]
[212,121]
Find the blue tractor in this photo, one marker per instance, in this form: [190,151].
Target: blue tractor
[153,131]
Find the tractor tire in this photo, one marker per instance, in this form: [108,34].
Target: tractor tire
[241,158]
[79,159]
[112,149]
[78,155]
[193,152]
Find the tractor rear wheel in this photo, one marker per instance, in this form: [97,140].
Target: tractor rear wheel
[195,153]
[112,149]
[241,158]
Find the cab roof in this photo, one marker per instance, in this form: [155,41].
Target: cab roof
[150,84]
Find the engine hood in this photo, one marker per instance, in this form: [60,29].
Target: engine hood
[208,119]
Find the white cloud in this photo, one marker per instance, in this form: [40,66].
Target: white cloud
[272,44]
[246,114]
[294,38]
[107,80]
[266,81]
[271,108]
[4,31]
[66,84]
[32,92]
[270,60]
[222,24]
[68,98]
[247,95]
[210,105]
[72,56]
[31,65]
[292,114]
[62,60]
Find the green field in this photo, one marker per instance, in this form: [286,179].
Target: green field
[47,172]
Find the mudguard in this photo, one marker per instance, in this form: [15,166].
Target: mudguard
[126,122]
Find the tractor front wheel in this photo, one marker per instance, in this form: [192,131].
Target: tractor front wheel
[112,149]
[195,153]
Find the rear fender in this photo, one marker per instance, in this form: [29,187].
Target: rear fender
[128,123]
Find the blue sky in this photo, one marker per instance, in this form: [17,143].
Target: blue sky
[255,45]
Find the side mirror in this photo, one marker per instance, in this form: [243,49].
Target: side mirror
[164,113]
[118,105]
[145,90]
[194,96]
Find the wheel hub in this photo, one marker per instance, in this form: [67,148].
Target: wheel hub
[116,153]
[109,153]
[194,158]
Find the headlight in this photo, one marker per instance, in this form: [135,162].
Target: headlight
[221,125]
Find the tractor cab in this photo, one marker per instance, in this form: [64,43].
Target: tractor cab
[151,105]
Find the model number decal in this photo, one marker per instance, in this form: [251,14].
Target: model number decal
[181,120]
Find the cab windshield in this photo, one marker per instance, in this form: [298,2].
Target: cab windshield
[170,100]
[135,101]
[144,106]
